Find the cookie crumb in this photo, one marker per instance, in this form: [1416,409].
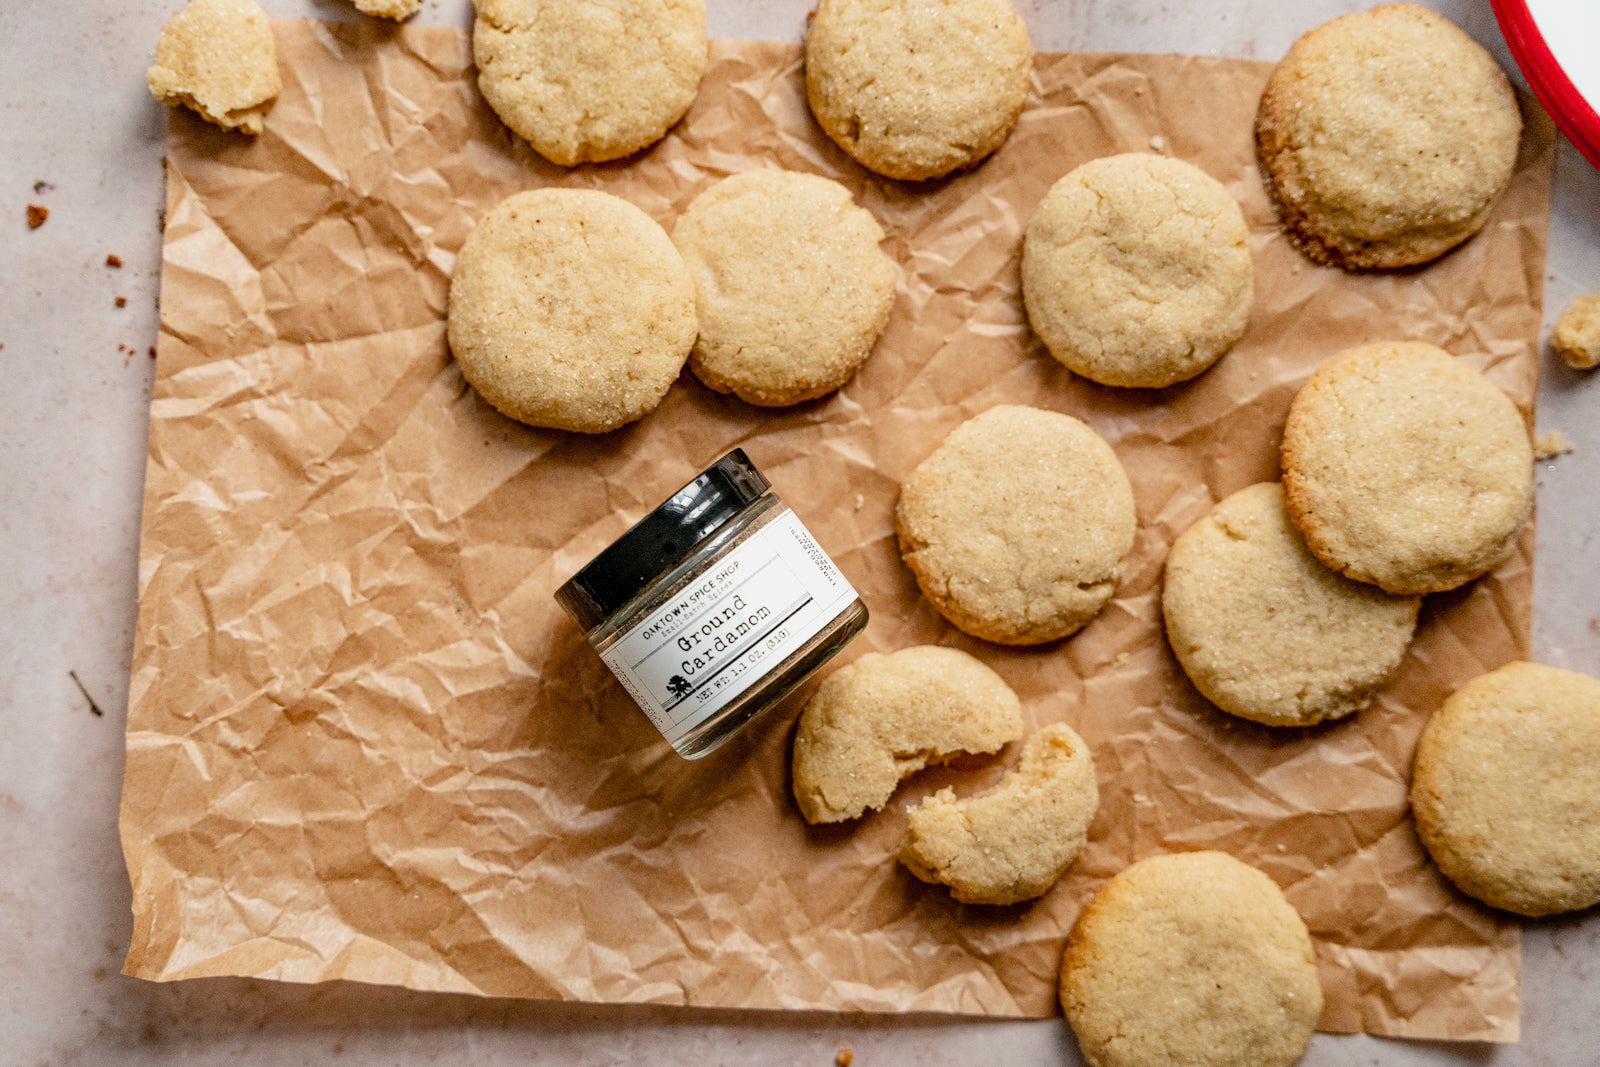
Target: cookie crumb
[1158,143]
[1552,444]
[845,1056]
[1576,338]
[113,261]
[36,216]
[861,501]
[152,351]
[122,301]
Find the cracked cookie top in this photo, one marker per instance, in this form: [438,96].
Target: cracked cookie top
[589,80]
[1016,525]
[915,89]
[1136,270]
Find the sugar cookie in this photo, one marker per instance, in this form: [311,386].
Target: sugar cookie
[1406,468]
[1264,630]
[791,288]
[887,716]
[589,80]
[217,57]
[1016,525]
[1506,789]
[1136,270]
[917,90]
[1190,960]
[571,309]
[1013,842]
[1386,137]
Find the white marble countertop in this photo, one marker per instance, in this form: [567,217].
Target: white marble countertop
[73,420]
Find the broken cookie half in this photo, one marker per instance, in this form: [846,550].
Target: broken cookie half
[218,58]
[887,716]
[1013,842]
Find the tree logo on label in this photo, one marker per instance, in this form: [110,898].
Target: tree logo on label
[679,686]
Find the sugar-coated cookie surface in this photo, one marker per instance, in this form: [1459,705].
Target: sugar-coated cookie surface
[589,80]
[1190,960]
[884,717]
[389,9]
[1576,337]
[791,287]
[1136,270]
[1265,630]
[218,58]
[1386,136]
[1405,467]
[1016,525]
[915,89]
[570,308]
[1013,842]
[1506,789]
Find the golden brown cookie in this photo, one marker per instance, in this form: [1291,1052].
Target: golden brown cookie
[1506,789]
[1013,842]
[217,57]
[1576,337]
[1406,468]
[887,716]
[917,90]
[1016,526]
[1190,960]
[1385,137]
[570,308]
[791,287]
[589,80]
[1136,270]
[1264,630]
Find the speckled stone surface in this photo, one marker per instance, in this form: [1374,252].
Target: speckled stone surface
[76,119]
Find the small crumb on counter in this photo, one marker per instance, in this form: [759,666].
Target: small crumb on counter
[1550,445]
[152,351]
[113,261]
[122,301]
[845,1056]
[40,186]
[1576,338]
[36,216]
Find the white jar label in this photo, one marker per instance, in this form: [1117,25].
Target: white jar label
[723,632]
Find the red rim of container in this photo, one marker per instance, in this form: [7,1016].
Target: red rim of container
[1573,115]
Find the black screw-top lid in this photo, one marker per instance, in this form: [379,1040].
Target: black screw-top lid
[656,543]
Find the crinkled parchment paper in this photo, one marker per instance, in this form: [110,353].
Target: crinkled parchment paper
[365,743]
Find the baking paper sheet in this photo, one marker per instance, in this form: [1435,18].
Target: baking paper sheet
[365,743]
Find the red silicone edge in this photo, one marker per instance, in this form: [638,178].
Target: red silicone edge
[1573,114]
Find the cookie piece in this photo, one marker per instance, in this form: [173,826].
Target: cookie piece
[1013,842]
[217,58]
[888,716]
[1386,137]
[1268,633]
[917,90]
[1136,270]
[1506,789]
[1016,525]
[1576,337]
[389,9]
[571,309]
[791,288]
[1190,960]
[589,80]
[1406,468]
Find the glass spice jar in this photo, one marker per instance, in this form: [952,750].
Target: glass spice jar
[714,606]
